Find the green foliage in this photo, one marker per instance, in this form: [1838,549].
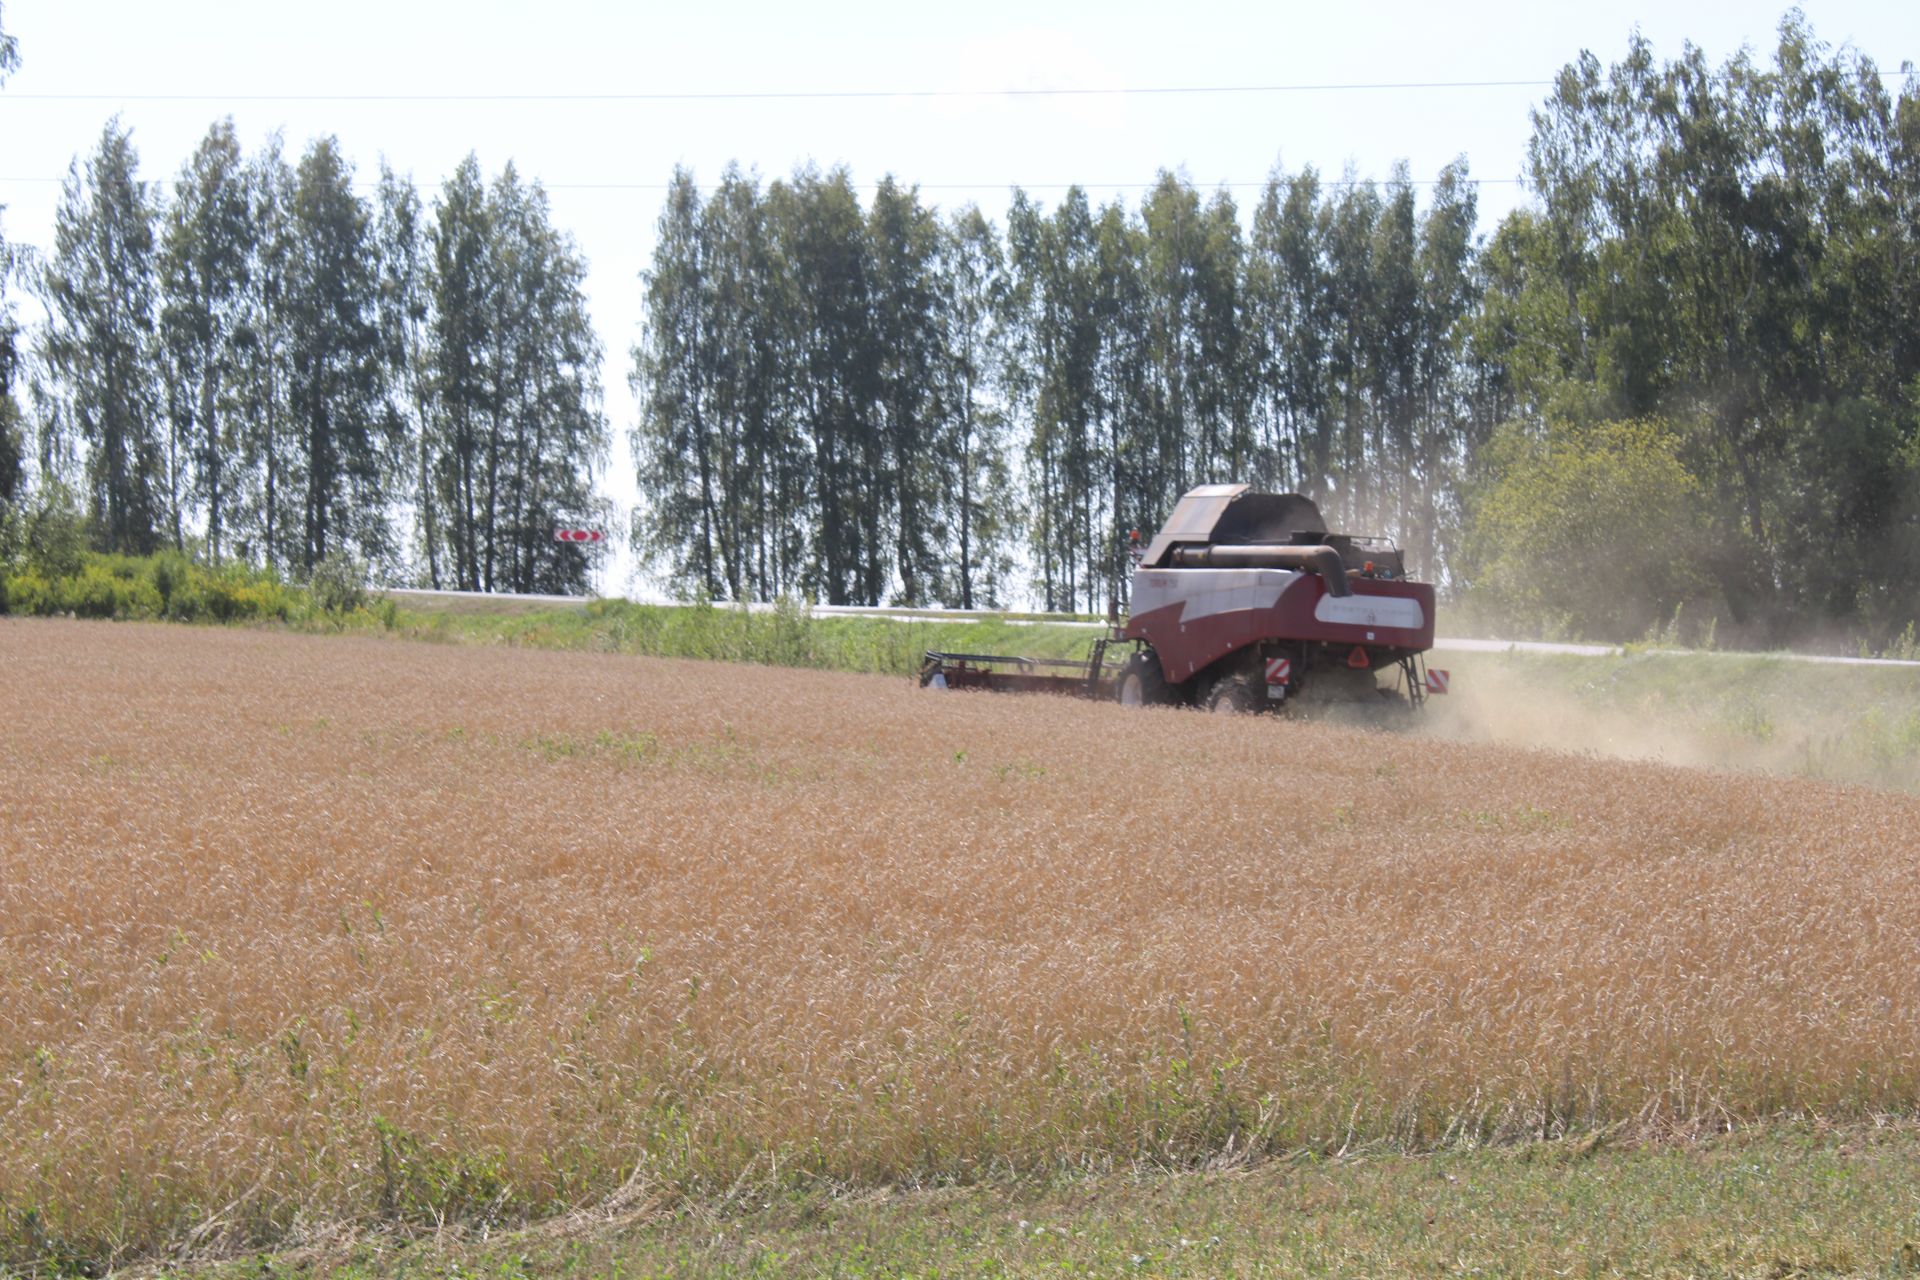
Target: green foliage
[1586,530]
[9,55]
[789,634]
[338,583]
[47,533]
[111,587]
[98,343]
[1724,246]
[1905,646]
[419,1184]
[334,394]
[510,423]
[164,586]
[1776,1200]
[207,244]
[880,400]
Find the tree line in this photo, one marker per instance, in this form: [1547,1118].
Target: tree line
[263,363]
[12,471]
[1698,345]
[838,399]
[1735,253]
[888,402]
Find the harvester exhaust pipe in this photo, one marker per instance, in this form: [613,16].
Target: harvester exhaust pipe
[1323,560]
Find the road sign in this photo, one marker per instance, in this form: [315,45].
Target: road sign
[579,535]
[1279,670]
[1438,679]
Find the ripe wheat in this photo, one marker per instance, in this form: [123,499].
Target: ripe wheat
[298,932]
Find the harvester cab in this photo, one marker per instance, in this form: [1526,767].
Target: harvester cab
[1246,602]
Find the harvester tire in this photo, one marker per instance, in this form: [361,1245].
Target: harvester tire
[1142,683]
[1233,695]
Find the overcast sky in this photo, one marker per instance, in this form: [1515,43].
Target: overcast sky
[423,83]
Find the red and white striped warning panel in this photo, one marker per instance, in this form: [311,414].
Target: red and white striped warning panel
[1438,679]
[1279,670]
[579,535]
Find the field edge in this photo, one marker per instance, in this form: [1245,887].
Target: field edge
[1787,1198]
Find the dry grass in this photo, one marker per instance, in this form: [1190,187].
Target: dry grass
[298,932]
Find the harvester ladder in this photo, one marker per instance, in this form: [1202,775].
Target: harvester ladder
[1413,669]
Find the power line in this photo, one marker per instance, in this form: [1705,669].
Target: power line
[787,95]
[799,95]
[1339,184]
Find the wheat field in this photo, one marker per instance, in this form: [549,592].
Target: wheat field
[303,934]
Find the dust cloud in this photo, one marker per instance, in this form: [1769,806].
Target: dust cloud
[1835,725]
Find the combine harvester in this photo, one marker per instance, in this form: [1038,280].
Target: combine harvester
[1244,602]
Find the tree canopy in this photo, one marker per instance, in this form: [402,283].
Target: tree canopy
[269,365]
[1701,333]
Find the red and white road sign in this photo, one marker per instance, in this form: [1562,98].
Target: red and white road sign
[578,535]
[1279,670]
[1438,679]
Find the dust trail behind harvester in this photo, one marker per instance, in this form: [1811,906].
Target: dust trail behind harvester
[1751,714]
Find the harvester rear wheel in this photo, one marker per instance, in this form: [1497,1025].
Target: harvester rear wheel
[1142,683]
[1233,695]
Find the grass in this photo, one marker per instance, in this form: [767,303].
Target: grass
[320,937]
[787,636]
[1790,1200]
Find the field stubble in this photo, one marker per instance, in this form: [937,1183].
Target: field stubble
[299,933]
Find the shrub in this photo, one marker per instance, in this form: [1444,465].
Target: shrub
[1595,530]
[175,579]
[338,583]
[28,592]
[167,585]
[54,535]
[238,594]
[109,587]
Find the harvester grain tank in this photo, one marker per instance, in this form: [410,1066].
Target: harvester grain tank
[1243,602]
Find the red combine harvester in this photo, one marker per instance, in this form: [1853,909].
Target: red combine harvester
[1244,602]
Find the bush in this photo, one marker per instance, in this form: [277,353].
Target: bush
[167,585]
[338,583]
[27,592]
[110,587]
[1596,531]
[54,534]
[236,594]
[174,578]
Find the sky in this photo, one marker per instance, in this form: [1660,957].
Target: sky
[599,101]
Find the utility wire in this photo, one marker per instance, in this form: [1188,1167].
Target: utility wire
[783,95]
[1340,184]
[794,95]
